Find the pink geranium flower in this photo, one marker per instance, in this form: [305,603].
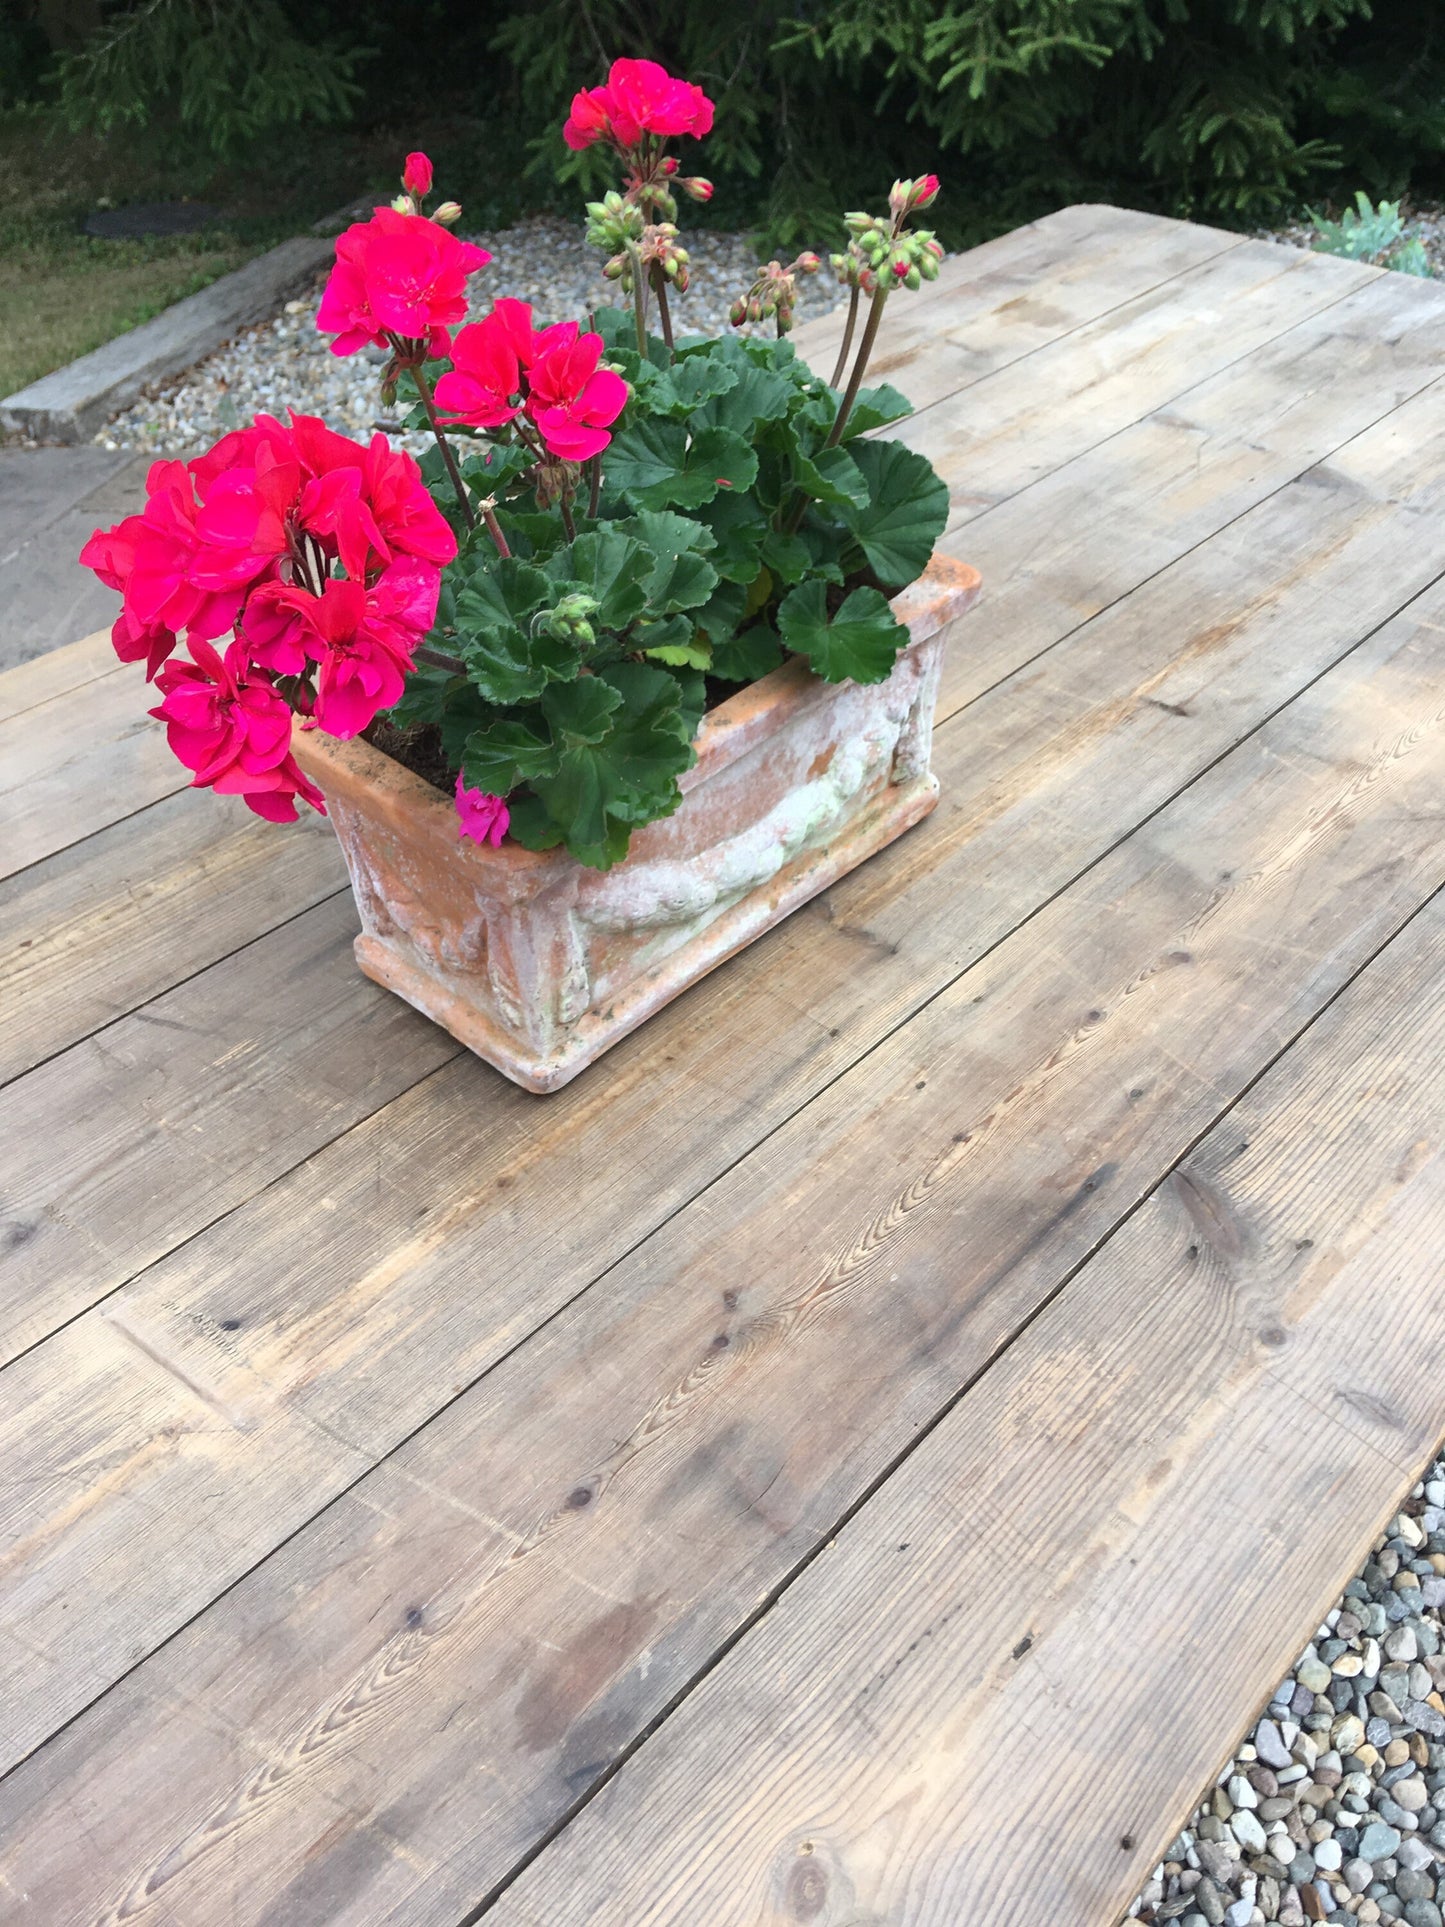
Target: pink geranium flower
[363,639]
[483,818]
[503,365]
[574,402]
[639,98]
[228,724]
[397,275]
[484,385]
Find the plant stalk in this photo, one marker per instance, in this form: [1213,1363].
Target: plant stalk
[494,529]
[848,328]
[439,659]
[594,490]
[423,388]
[664,313]
[855,380]
[639,297]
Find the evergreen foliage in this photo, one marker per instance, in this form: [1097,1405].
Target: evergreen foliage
[1219,109]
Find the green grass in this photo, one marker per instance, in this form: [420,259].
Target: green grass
[63,292]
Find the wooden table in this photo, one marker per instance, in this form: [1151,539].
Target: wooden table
[863,1453]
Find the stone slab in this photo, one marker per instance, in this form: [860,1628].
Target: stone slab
[73,402]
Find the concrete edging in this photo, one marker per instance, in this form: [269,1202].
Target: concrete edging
[73,402]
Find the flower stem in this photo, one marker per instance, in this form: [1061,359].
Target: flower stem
[664,313]
[848,328]
[494,529]
[439,659]
[639,297]
[565,505]
[855,380]
[595,487]
[423,388]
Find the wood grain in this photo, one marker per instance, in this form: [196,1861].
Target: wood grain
[1189,1451]
[377,1316]
[57,673]
[147,902]
[997,303]
[130,912]
[458,1648]
[132,1141]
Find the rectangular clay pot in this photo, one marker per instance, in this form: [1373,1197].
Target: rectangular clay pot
[538,963]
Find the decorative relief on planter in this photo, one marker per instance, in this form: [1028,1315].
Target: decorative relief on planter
[539,964]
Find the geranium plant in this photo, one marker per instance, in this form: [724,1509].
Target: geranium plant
[611,527]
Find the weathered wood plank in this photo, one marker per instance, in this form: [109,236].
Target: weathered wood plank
[1020,291]
[460,1646]
[130,912]
[1102,523]
[1058,552]
[377,1315]
[1262,1344]
[73,764]
[1039,412]
[31,683]
[86,759]
[154,1127]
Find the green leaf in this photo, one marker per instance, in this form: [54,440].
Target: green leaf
[860,642]
[655,464]
[700,378]
[580,712]
[627,772]
[831,476]
[738,526]
[507,658]
[722,613]
[905,513]
[787,557]
[506,752]
[679,577]
[872,408]
[746,657]
[609,566]
[645,455]
[758,395]
[503,593]
[696,654]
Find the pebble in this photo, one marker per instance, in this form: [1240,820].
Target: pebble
[1378,1841]
[1332,1809]
[284,363]
[1247,1830]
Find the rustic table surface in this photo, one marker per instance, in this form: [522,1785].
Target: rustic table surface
[793,1474]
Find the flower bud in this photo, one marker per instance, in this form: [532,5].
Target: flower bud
[738,312]
[807,263]
[404,204]
[925,193]
[913,279]
[928,266]
[416,176]
[901,269]
[449,213]
[669,164]
[570,620]
[900,198]
[695,187]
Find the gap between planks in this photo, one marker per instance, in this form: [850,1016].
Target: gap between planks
[1319,871]
[205,1336]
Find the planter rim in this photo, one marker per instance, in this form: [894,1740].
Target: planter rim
[944,590]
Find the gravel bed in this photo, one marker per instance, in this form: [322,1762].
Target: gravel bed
[285,363]
[1333,1809]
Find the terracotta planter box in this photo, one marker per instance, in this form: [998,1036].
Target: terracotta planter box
[538,963]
